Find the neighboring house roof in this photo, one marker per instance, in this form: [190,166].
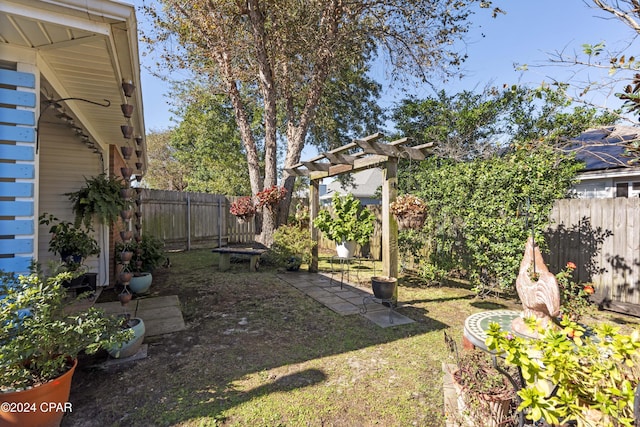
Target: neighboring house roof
[84,49]
[603,148]
[365,185]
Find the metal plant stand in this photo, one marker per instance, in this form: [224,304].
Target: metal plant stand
[343,266]
[386,302]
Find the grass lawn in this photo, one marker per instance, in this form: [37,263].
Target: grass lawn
[258,352]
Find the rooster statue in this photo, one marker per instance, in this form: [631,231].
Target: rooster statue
[540,298]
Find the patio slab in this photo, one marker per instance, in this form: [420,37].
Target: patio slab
[161,315]
[345,300]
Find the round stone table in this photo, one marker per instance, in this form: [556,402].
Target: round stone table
[477,325]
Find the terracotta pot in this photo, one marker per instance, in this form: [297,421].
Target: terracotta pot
[126,172]
[125,276]
[127,131]
[127,88]
[126,215]
[138,165]
[138,140]
[127,110]
[138,178]
[139,153]
[125,256]
[125,297]
[127,193]
[126,152]
[126,235]
[53,394]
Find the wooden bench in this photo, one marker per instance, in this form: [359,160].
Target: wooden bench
[224,257]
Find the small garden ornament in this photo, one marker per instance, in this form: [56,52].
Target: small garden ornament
[538,290]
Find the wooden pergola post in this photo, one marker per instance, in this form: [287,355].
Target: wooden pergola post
[389,224]
[314,206]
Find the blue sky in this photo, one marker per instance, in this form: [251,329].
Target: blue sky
[529,30]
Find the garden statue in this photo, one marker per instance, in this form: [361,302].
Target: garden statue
[538,290]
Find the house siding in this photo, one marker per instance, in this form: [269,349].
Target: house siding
[18,99]
[65,161]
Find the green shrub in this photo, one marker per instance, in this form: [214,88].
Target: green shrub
[572,374]
[482,211]
[291,241]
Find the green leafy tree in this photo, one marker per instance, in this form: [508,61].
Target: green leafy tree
[207,144]
[165,172]
[470,125]
[279,55]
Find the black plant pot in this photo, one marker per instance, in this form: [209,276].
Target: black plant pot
[384,287]
[86,282]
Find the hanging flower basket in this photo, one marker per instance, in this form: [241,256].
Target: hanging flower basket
[270,197]
[411,222]
[410,212]
[243,209]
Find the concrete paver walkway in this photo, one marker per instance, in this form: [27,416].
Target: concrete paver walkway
[345,300]
[161,315]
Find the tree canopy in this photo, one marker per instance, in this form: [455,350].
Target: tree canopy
[279,55]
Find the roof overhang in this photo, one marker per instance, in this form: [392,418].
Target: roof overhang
[83,49]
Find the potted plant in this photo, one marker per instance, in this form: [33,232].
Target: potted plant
[349,223]
[270,197]
[137,330]
[409,210]
[574,374]
[484,394]
[243,208]
[39,342]
[292,246]
[73,244]
[100,197]
[147,256]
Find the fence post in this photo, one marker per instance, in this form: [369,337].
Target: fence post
[188,222]
[219,222]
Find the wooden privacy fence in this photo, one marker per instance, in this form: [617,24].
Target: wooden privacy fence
[192,220]
[602,237]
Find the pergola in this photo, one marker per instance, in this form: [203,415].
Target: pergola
[358,155]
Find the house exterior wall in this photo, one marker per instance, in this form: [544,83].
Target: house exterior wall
[117,162]
[608,185]
[18,175]
[64,163]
